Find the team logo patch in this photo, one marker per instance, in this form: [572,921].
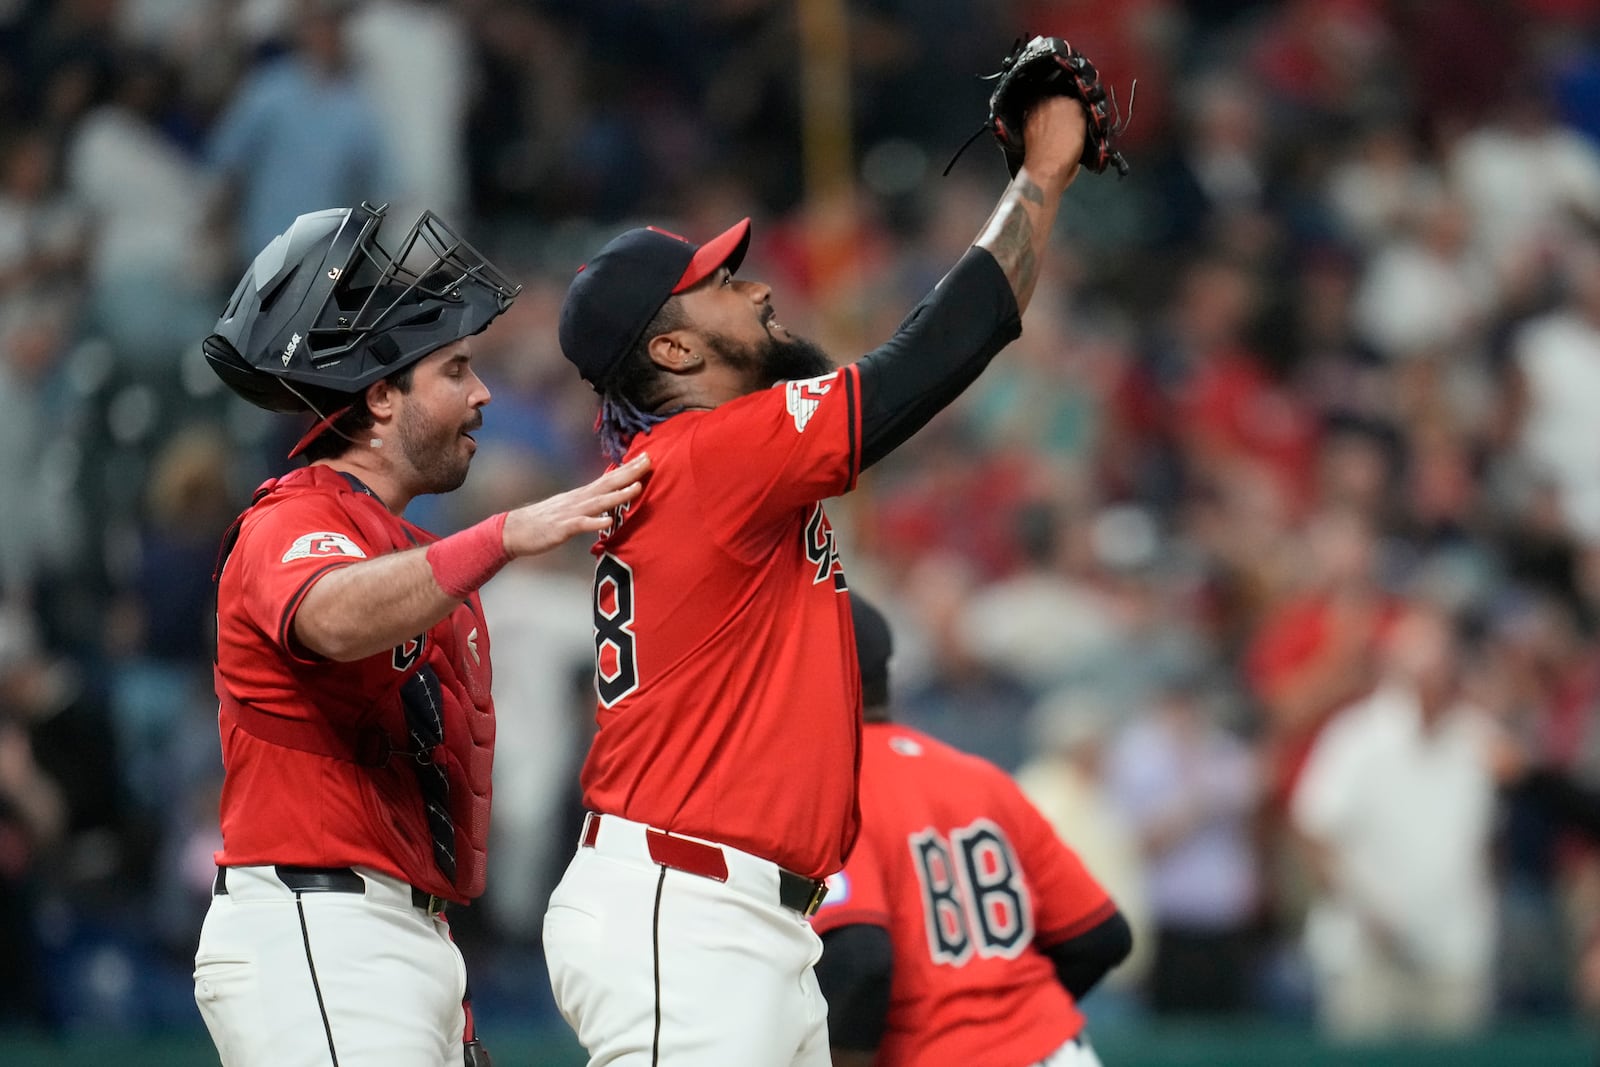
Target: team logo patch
[804,397]
[324,543]
[838,889]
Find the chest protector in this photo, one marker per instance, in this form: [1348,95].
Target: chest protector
[447,668]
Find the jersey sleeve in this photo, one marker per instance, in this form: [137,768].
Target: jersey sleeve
[764,455]
[282,554]
[857,895]
[1068,900]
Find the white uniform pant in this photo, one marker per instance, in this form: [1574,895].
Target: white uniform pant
[316,978]
[1075,1053]
[655,967]
[1382,1000]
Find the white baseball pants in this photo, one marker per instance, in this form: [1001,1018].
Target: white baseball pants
[655,967]
[1075,1053]
[322,978]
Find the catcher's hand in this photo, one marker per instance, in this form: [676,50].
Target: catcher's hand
[1048,66]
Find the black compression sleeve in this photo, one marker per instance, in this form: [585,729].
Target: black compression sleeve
[939,350]
[857,963]
[1083,960]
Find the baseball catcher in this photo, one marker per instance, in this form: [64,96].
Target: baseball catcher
[352,656]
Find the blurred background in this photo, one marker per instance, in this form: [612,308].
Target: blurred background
[1268,557]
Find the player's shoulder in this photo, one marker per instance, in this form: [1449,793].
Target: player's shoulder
[293,496]
[793,401]
[911,780]
[666,442]
[304,517]
[897,742]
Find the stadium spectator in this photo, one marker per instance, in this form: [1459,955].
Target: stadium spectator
[1190,789]
[153,261]
[1396,805]
[413,60]
[1066,781]
[301,133]
[1557,400]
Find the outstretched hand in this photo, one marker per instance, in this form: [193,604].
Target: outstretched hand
[547,524]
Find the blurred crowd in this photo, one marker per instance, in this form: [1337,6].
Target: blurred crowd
[1268,557]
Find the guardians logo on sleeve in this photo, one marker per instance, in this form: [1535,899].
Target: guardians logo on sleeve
[323,543]
[803,398]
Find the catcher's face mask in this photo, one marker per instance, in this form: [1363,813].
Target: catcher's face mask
[327,308]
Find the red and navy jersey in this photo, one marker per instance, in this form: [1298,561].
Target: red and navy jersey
[286,805]
[729,697]
[970,880]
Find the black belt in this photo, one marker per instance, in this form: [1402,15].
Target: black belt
[330,880]
[799,892]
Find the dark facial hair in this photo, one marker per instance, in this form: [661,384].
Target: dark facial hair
[433,449]
[778,361]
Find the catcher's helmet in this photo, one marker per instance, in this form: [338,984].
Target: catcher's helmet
[324,310]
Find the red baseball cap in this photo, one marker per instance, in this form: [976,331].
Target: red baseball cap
[616,294]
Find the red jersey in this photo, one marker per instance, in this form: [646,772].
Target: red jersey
[286,805]
[969,880]
[729,697]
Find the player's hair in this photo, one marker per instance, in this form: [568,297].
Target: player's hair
[631,393]
[350,429]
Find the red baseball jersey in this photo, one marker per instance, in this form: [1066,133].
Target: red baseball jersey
[729,697]
[969,880]
[284,805]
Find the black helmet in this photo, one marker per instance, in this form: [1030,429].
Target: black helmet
[325,310]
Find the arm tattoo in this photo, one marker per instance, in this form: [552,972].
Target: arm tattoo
[1014,238]
[1013,249]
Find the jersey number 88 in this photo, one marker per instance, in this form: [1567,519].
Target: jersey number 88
[974,897]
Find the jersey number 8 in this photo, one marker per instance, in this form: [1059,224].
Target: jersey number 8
[616,667]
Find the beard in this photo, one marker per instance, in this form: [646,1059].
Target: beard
[433,449]
[773,360]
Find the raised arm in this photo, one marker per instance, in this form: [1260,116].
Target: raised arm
[976,310]
[1019,229]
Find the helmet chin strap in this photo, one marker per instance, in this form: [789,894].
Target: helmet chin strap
[324,422]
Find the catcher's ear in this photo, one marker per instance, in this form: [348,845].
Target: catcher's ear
[380,398]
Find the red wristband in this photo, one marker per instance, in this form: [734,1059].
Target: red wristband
[464,561]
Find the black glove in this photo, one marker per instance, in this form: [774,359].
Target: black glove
[1048,66]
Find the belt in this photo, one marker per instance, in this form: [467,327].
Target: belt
[795,891]
[330,880]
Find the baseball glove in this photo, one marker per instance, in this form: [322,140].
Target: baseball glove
[1048,66]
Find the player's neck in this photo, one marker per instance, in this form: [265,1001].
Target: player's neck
[695,400]
[680,400]
[713,384]
[375,475]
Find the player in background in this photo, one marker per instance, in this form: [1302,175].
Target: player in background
[352,661]
[722,780]
[961,930]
